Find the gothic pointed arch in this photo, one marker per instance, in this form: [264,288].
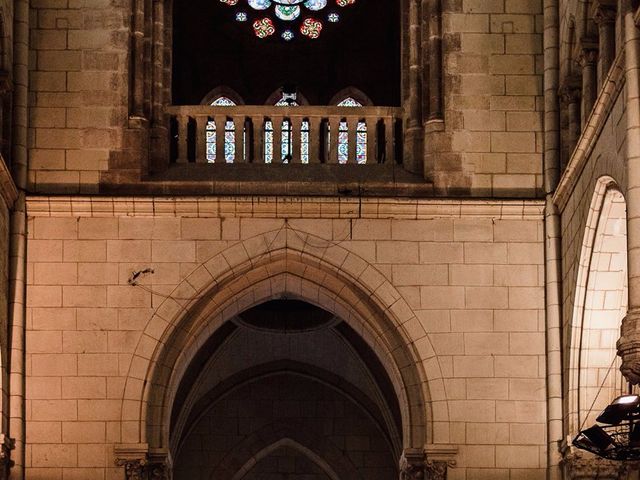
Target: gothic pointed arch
[330,459]
[222,91]
[354,93]
[264,267]
[600,304]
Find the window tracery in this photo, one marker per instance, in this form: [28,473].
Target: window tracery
[288,17]
[229,134]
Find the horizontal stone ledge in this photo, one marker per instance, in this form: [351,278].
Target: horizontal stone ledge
[281,207]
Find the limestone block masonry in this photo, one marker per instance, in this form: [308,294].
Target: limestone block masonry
[464,280]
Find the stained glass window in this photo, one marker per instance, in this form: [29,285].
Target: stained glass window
[229,134]
[287,17]
[304,141]
[223,102]
[343,136]
[349,102]
[361,143]
[343,143]
[268,141]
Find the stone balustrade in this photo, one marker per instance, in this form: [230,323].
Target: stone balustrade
[285,134]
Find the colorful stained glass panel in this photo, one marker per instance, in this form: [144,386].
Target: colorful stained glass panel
[287,12]
[343,143]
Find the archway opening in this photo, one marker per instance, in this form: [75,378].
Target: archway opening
[285,369]
[601,304]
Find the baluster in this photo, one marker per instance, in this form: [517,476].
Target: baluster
[388,140]
[183,139]
[277,139]
[334,125]
[372,126]
[201,139]
[221,128]
[352,128]
[314,139]
[296,141]
[258,139]
[239,139]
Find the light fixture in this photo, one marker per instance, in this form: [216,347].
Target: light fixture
[618,438]
[619,409]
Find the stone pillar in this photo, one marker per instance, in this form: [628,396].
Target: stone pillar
[604,16]
[629,342]
[413,107]
[434,20]
[137,55]
[570,96]
[588,62]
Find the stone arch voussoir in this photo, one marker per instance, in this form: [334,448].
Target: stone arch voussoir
[269,265]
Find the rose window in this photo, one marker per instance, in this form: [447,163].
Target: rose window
[288,18]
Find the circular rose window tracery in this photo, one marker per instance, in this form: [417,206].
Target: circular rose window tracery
[288,18]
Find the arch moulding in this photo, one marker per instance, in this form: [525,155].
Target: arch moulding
[270,265]
[603,185]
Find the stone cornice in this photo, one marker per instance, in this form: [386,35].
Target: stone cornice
[281,207]
[591,132]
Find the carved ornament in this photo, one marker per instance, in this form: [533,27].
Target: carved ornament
[583,466]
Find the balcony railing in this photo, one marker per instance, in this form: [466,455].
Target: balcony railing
[285,135]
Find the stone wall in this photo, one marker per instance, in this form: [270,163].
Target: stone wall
[493,92]
[467,278]
[78,91]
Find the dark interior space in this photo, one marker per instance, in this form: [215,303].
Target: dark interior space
[212,49]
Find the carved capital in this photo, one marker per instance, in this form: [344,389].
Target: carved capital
[134,469]
[6,445]
[412,465]
[437,469]
[588,57]
[604,12]
[570,94]
[142,463]
[629,347]
[142,469]
[583,466]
